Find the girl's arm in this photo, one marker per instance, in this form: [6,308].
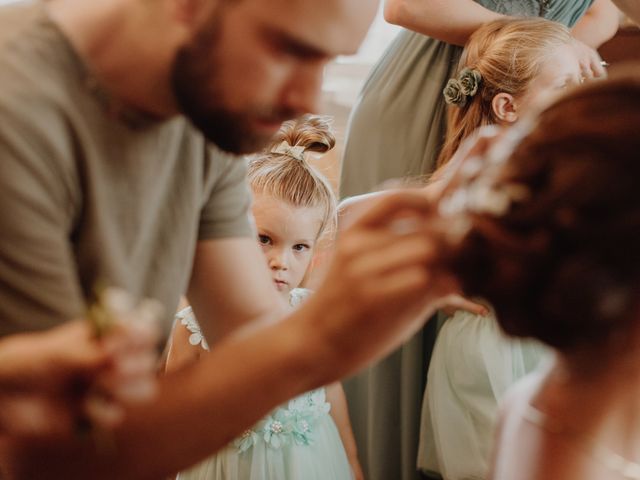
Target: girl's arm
[631,8]
[340,415]
[452,21]
[599,24]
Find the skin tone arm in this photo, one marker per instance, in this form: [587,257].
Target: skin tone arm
[340,415]
[598,24]
[378,290]
[631,8]
[451,21]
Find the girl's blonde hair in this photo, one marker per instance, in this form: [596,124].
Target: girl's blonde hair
[508,54]
[287,176]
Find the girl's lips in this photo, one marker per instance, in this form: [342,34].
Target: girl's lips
[280,284]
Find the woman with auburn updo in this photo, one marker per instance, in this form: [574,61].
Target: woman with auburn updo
[552,219]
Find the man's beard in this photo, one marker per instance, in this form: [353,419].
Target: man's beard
[193,80]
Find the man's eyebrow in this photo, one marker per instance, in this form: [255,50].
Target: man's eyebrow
[294,45]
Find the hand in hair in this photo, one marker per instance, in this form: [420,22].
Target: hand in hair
[384,261]
[590,61]
[452,303]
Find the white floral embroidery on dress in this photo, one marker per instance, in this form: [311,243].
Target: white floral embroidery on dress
[188,319]
[298,295]
[293,423]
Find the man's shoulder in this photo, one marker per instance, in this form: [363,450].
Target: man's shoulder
[34,59]
[17,16]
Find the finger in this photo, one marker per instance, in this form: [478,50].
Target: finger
[384,210]
[102,411]
[134,365]
[131,336]
[132,378]
[139,390]
[586,71]
[397,287]
[598,67]
[408,251]
[63,362]
[456,302]
[358,243]
[28,416]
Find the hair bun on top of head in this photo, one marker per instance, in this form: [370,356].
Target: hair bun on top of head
[284,148]
[307,133]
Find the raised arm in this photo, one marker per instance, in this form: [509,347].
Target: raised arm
[452,21]
[377,293]
[598,24]
[631,8]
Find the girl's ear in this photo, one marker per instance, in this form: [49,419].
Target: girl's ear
[504,108]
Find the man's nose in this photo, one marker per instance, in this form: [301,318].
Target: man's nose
[302,93]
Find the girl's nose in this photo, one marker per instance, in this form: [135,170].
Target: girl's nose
[278,261]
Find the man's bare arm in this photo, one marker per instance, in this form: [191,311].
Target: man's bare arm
[377,293]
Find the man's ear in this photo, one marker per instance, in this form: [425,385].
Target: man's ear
[504,108]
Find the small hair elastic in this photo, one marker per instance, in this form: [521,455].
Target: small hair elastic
[284,148]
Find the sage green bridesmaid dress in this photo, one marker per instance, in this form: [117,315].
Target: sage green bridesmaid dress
[396,130]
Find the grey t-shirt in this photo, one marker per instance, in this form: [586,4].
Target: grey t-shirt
[88,196]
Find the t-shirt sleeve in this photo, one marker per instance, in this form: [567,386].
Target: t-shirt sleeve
[226,211]
[39,285]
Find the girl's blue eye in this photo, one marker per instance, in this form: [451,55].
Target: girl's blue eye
[264,240]
[300,247]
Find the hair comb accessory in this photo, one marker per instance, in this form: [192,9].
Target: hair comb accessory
[459,90]
[285,149]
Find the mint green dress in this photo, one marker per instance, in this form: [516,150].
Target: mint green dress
[296,441]
[473,365]
[396,130]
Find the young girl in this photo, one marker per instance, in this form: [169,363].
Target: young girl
[553,227]
[506,67]
[293,207]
